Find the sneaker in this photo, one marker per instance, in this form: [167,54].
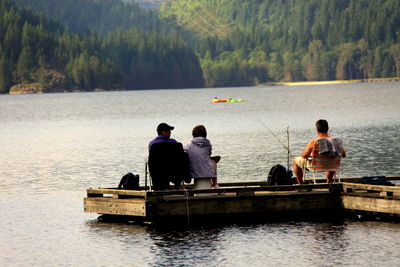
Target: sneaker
[216,186]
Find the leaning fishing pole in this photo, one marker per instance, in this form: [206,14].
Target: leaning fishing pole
[278,174]
[288,148]
[285,146]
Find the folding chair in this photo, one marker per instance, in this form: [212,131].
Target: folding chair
[321,163]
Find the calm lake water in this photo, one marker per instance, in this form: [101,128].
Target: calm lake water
[54,146]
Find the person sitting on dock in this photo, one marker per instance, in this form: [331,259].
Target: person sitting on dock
[167,160]
[304,161]
[202,165]
[164,135]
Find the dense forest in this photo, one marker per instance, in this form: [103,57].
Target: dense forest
[44,56]
[247,42]
[101,16]
[148,4]
[115,44]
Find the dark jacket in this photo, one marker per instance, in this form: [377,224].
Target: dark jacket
[168,163]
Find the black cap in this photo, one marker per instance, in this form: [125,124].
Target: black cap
[164,127]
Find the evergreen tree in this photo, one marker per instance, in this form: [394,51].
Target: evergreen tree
[25,65]
[395,52]
[275,67]
[5,75]
[365,60]
[316,62]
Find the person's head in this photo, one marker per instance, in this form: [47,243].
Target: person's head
[164,129]
[199,131]
[322,126]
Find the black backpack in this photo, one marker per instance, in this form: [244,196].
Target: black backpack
[375,180]
[129,181]
[279,175]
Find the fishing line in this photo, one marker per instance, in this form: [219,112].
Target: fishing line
[187,205]
[286,147]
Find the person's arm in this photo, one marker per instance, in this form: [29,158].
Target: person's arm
[343,152]
[186,147]
[307,152]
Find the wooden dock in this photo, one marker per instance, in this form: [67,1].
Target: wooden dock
[371,199]
[244,199]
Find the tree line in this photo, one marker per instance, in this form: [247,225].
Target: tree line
[112,44]
[275,40]
[35,50]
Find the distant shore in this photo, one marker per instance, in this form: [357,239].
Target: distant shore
[338,81]
[34,88]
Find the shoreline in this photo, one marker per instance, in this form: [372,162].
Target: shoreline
[35,89]
[394,79]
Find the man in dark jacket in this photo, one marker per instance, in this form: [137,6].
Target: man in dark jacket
[167,160]
[164,135]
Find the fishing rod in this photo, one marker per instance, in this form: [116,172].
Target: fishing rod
[287,147]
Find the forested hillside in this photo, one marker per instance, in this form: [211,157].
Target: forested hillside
[246,42]
[117,44]
[147,4]
[43,56]
[101,16]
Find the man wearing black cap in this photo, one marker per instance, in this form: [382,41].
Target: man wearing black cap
[167,160]
[164,134]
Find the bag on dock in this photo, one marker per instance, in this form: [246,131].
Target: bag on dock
[129,181]
[279,175]
[375,180]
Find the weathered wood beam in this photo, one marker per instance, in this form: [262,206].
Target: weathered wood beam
[264,204]
[131,207]
[371,204]
[349,187]
[95,192]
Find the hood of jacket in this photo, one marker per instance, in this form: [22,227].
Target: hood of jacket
[201,141]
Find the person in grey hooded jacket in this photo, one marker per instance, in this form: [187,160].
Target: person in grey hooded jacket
[202,165]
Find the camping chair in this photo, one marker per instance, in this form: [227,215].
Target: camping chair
[321,163]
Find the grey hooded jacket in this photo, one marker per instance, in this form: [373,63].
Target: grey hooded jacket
[199,151]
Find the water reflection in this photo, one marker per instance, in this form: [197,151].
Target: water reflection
[244,244]
[129,242]
[188,247]
[329,240]
[167,245]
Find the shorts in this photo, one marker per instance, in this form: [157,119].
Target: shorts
[302,162]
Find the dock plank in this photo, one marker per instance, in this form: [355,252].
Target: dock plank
[349,187]
[131,207]
[371,204]
[99,192]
